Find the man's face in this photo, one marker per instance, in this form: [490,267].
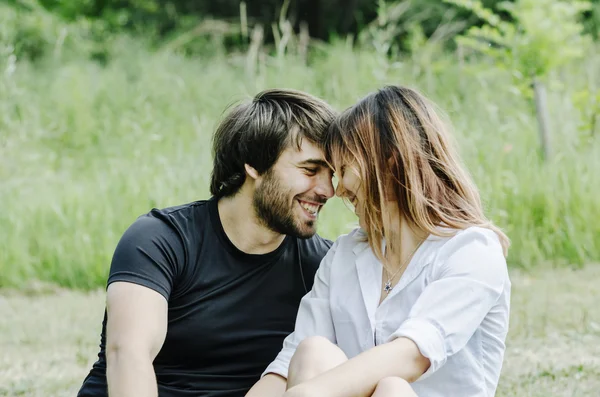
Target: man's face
[290,195]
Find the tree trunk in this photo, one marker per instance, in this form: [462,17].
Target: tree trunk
[541,108]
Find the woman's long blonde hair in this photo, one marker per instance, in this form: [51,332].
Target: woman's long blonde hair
[402,149]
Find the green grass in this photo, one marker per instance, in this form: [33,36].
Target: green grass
[85,149]
[553,346]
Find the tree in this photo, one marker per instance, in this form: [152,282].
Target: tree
[544,35]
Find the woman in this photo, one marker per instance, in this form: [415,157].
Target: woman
[415,301]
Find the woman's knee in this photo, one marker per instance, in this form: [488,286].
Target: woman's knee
[315,343]
[394,386]
[317,350]
[314,356]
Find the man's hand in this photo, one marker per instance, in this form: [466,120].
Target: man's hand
[135,331]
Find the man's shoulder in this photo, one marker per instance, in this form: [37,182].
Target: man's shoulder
[316,245]
[181,210]
[182,217]
[174,221]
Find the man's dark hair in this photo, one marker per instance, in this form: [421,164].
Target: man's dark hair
[256,133]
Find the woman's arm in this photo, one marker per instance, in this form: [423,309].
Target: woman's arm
[359,376]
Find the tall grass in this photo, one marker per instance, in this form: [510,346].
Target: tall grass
[86,149]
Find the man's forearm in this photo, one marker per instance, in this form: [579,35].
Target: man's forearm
[270,385]
[130,375]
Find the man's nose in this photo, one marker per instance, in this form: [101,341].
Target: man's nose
[325,186]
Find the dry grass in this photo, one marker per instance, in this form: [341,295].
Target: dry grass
[49,338]
[554,345]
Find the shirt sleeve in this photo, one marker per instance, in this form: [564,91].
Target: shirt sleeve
[149,253]
[469,282]
[313,319]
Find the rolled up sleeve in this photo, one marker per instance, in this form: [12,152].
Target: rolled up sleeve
[471,277]
[314,318]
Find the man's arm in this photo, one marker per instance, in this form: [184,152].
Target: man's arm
[271,385]
[135,331]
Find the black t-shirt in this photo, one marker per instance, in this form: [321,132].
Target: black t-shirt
[229,311]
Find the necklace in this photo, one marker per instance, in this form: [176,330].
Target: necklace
[388,285]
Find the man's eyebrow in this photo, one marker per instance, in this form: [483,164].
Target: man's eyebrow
[319,162]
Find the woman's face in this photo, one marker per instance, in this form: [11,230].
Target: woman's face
[349,187]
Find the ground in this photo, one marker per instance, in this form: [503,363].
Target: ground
[49,337]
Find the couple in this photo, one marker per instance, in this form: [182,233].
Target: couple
[237,295]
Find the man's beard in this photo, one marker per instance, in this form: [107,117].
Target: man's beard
[272,206]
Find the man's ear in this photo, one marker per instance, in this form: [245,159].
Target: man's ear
[251,171]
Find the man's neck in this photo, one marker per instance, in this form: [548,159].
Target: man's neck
[243,228]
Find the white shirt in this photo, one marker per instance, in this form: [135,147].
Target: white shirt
[452,300]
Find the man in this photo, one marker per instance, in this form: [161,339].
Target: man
[201,296]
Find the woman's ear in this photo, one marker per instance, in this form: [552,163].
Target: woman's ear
[389,185]
[391,163]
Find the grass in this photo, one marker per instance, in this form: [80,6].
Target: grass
[85,149]
[49,338]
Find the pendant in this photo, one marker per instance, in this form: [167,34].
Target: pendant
[388,286]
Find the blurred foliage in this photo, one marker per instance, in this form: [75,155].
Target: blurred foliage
[324,18]
[37,27]
[542,36]
[587,101]
[29,31]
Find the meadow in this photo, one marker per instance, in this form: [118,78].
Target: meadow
[86,148]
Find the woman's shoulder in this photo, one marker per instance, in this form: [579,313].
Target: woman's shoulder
[356,238]
[471,236]
[473,244]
